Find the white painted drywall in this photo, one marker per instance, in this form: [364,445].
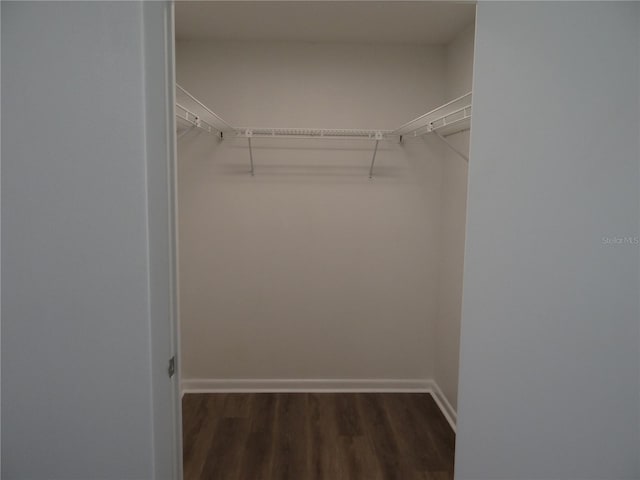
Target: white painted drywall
[459,73]
[550,346]
[309,270]
[77,361]
[381,23]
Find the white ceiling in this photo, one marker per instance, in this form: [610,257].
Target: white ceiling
[417,22]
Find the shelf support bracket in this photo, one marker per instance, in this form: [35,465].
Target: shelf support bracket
[450,145]
[185,132]
[249,134]
[378,137]
[373,160]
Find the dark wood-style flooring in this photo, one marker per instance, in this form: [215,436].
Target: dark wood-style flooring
[316,436]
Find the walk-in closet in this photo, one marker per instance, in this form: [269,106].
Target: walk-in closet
[234,237]
[322,176]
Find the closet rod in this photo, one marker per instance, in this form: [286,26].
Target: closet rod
[314,133]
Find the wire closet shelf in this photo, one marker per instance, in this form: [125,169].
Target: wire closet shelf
[447,119]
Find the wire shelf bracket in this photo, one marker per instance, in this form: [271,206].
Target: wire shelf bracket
[447,119]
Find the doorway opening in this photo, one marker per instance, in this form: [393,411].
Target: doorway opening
[322,175]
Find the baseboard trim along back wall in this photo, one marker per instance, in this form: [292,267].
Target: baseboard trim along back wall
[207,385]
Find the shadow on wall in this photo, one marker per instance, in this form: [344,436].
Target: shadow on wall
[318,160]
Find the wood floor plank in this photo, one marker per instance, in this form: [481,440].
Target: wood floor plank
[324,450]
[347,415]
[236,406]
[227,449]
[258,454]
[417,442]
[257,458]
[262,412]
[436,426]
[316,436]
[195,408]
[358,459]
[290,460]
[382,437]
[199,449]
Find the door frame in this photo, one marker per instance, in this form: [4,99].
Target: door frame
[174,236]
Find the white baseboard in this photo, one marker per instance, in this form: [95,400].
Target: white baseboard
[445,406]
[206,385]
[200,385]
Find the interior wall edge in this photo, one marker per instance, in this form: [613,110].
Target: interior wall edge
[530,350]
[459,54]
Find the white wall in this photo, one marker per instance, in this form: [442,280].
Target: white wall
[459,73]
[550,346]
[77,328]
[309,269]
